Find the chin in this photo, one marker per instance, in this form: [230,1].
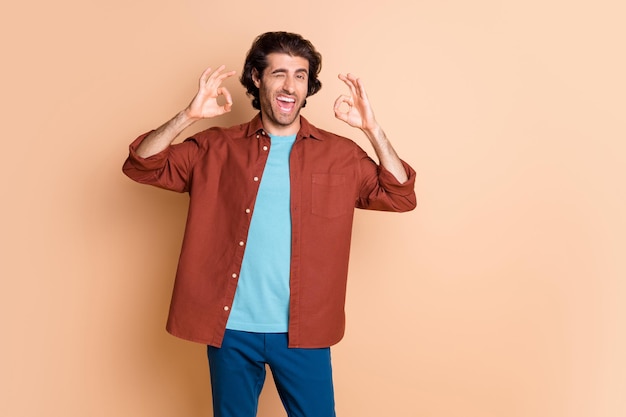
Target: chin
[287,119]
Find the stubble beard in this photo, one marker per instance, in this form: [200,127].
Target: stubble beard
[284,119]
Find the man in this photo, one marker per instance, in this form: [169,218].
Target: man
[262,272]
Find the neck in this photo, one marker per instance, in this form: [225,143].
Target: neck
[277,129]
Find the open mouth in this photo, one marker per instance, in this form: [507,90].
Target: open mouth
[286,104]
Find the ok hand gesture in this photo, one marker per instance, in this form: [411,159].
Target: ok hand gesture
[204,105]
[359,113]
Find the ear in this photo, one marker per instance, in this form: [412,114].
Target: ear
[255,78]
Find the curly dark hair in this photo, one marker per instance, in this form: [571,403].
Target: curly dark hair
[281,42]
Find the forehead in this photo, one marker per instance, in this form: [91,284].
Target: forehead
[279,61]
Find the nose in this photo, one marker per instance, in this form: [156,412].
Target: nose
[289,85]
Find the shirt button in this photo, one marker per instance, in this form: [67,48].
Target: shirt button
[247,211]
[241,243]
[226,308]
[265,148]
[257,136]
[234,275]
[263,132]
[256,178]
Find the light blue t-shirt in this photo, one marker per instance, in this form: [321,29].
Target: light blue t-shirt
[262,299]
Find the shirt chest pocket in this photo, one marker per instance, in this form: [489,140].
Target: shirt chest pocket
[331,196]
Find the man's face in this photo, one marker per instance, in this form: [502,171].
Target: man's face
[283,88]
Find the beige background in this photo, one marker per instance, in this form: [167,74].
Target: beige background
[500,295]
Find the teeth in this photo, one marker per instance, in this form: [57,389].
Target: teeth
[287,100]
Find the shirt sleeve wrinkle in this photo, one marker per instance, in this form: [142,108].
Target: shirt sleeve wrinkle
[381,190]
[169,169]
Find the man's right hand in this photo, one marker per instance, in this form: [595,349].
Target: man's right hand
[203,106]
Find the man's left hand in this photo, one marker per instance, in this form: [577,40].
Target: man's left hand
[359,113]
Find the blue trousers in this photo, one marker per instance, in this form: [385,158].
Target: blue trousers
[303,377]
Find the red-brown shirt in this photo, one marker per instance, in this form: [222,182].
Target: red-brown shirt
[221,169]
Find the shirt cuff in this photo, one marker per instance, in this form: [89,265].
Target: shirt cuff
[145,164]
[391,183]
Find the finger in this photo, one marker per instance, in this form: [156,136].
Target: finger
[219,69]
[341,116]
[216,73]
[217,77]
[223,91]
[346,80]
[349,82]
[205,76]
[342,99]
[348,77]
[226,108]
[225,75]
[361,88]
